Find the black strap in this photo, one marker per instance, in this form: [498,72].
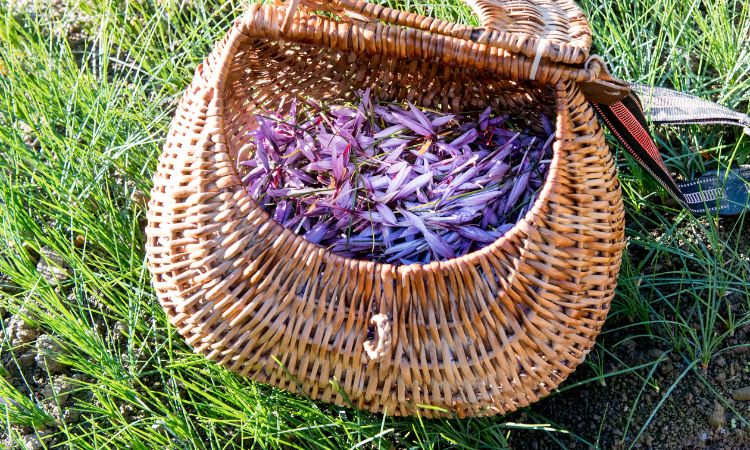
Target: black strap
[725,191]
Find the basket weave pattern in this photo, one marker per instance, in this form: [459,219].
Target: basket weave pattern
[482,334]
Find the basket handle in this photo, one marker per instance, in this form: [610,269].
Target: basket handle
[363,10]
[489,12]
[496,17]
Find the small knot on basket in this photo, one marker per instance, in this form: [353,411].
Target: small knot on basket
[377,348]
[541,50]
[596,66]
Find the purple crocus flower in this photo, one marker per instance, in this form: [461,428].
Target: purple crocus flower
[394,184]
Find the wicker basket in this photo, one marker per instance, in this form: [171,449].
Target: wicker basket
[482,334]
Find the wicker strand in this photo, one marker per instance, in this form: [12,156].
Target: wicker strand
[291,10]
[378,349]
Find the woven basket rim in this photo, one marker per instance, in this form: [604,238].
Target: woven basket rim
[264,22]
[471,258]
[566,43]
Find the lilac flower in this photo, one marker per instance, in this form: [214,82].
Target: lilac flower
[317,232]
[394,184]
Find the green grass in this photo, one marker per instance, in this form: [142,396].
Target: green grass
[100,113]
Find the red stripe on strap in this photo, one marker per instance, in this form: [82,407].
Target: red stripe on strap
[639,134]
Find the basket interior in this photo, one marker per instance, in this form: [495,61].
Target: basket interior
[265,76]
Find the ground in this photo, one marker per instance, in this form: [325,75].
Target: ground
[89,360]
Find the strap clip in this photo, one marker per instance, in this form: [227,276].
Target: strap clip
[604,89]
[605,92]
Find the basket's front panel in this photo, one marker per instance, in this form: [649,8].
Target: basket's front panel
[482,334]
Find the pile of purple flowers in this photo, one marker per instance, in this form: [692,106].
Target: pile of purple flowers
[394,184]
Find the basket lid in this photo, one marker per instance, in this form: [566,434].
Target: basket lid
[556,30]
